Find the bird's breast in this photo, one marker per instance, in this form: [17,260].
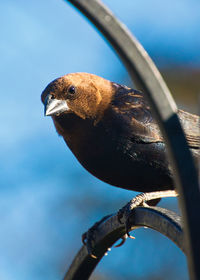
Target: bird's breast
[119,161]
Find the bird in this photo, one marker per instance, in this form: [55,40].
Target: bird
[111,131]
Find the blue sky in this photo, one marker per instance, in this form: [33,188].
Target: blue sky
[40,180]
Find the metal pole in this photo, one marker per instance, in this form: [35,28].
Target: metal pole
[142,69]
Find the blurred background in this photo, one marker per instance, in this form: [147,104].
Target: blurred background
[47,200]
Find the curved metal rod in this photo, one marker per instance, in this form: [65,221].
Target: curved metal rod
[162,220]
[142,69]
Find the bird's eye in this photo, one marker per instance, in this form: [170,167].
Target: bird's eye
[72,90]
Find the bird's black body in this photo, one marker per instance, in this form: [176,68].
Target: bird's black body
[112,152]
[121,161]
[120,144]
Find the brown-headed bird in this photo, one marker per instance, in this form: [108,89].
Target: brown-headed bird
[111,131]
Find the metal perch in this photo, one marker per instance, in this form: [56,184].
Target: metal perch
[144,72]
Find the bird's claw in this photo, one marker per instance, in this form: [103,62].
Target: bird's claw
[84,238]
[88,238]
[123,215]
[123,240]
[126,211]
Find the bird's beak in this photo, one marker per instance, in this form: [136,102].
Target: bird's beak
[53,106]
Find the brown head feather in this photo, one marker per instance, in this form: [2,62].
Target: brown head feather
[93,93]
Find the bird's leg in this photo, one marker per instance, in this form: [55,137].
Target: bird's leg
[88,238]
[142,200]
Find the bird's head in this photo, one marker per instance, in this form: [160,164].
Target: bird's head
[83,94]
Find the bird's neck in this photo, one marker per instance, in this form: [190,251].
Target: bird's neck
[73,129]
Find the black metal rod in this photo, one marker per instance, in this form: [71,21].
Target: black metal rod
[162,220]
[142,69]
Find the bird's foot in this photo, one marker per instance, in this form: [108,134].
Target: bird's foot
[123,240]
[143,199]
[88,238]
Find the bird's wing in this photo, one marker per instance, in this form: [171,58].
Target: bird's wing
[132,110]
[191,125]
[132,106]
